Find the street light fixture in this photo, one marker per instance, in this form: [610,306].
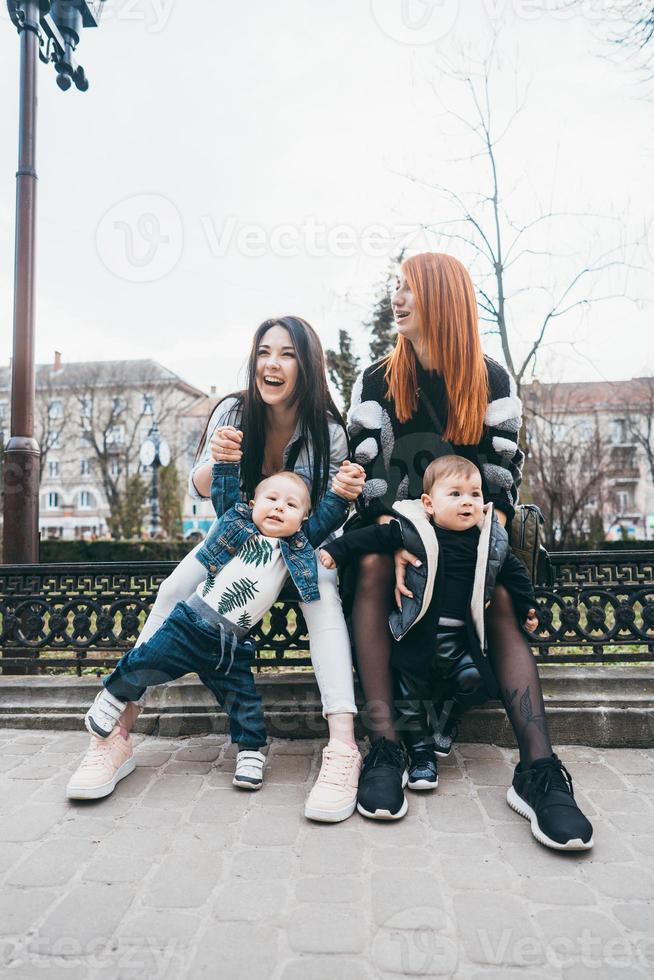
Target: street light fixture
[155,452]
[49,30]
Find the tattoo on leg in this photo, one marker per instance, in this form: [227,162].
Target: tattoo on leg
[527,712]
[509,697]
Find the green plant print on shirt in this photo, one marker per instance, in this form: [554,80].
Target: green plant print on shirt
[239,593]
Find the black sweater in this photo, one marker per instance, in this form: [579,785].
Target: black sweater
[451,593]
[395,455]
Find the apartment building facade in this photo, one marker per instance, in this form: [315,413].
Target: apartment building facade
[92,419]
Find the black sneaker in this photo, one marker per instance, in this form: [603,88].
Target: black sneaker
[382,781]
[423,769]
[443,741]
[543,795]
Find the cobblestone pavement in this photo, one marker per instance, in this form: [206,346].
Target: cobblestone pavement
[179,875]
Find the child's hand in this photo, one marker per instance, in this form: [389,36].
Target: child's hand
[402,559]
[326,559]
[225,445]
[348,482]
[532,621]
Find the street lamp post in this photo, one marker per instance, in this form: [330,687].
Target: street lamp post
[49,31]
[155,452]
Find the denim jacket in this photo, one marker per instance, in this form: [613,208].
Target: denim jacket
[230,531]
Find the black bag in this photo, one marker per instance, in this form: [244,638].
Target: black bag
[525,538]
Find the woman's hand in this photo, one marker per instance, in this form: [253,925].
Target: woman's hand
[348,482]
[226,445]
[326,559]
[402,559]
[532,621]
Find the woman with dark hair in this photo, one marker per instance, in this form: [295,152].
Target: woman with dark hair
[285,419]
[435,394]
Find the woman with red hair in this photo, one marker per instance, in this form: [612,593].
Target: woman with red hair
[436,393]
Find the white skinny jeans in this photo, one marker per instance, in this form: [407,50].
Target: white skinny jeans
[329,641]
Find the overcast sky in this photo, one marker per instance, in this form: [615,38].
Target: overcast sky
[236,161]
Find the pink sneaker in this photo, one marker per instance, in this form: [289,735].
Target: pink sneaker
[107,761]
[334,796]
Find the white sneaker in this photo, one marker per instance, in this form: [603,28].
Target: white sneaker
[102,717]
[107,760]
[334,795]
[249,769]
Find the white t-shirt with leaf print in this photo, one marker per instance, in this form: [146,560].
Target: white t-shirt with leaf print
[248,585]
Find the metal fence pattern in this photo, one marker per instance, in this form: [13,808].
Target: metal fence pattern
[601,607]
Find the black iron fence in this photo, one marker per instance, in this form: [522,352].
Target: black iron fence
[600,608]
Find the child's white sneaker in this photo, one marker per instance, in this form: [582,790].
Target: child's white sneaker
[249,769]
[102,717]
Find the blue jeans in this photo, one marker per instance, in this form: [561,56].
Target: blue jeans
[187,643]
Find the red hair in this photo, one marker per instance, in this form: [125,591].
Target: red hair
[445,301]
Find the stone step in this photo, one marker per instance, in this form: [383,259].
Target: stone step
[600,706]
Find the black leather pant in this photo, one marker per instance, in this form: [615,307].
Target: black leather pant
[438,693]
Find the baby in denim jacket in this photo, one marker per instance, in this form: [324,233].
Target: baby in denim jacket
[249,552]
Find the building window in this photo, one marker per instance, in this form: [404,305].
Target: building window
[148,405]
[85,500]
[114,468]
[53,441]
[85,467]
[86,438]
[623,501]
[3,410]
[116,435]
[86,406]
[619,433]
[53,469]
[55,410]
[117,405]
[53,500]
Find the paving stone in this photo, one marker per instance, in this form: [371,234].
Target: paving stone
[402,857]
[30,822]
[172,791]
[595,775]
[628,761]
[206,752]
[151,757]
[171,885]
[498,932]
[199,768]
[250,900]
[289,746]
[617,801]
[466,845]
[416,942]
[156,927]
[32,772]
[451,815]
[638,916]
[326,968]
[24,748]
[264,863]
[636,824]
[87,914]
[327,929]
[276,827]
[9,762]
[532,860]
[579,936]
[478,750]
[557,891]
[604,971]
[618,880]
[11,854]
[493,800]
[20,908]
[222,806]
[284,794]
[489,772]
[52,863]
[473,874]
[398,890]
[288,768]
[15,793]
[230,944]
[331,854]
[643,845]
[321,888]
[132,870]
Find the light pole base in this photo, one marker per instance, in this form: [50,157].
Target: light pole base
[21,501]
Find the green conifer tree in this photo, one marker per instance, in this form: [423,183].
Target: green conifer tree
[343,367]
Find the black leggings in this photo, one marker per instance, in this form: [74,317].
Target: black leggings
[510,655]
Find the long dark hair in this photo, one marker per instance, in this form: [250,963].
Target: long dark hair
[314,406]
